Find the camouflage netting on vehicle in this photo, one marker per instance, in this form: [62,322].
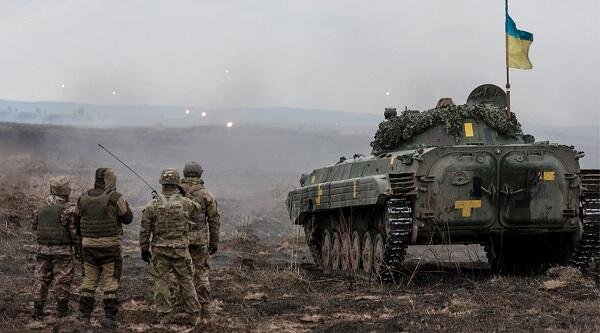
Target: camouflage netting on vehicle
[400,130]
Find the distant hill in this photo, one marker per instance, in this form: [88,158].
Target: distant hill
[66,113]
[586,138]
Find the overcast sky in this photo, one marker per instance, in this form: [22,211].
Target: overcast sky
[357,56]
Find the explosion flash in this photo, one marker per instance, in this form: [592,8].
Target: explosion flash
[229,124]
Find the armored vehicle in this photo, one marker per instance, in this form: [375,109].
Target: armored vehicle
[455,174]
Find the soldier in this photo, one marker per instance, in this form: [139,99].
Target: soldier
[165,226]
[99,216]
[56,238]
[204,232]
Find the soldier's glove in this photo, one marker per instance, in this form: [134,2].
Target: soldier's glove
[146,256]
[212,249]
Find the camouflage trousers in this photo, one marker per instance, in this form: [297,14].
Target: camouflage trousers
[167,262]
[53,267]
[201,259]
[101,267]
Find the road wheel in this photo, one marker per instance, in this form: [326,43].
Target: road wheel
[378,251]
[345,257]
[367,253]
[326,251]
[336,251]
[355,252]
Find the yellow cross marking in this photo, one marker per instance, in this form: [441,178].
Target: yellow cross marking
[468,130]
[319,194]
[466,205]
[548,176]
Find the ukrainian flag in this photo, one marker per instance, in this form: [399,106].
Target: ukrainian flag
[517,45]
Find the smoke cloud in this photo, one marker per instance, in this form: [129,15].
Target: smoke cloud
[336,55]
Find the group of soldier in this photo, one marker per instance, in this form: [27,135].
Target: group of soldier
[179,232]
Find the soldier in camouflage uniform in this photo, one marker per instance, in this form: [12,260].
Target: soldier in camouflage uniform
[56,237]
[99,216]
[204,232]
[164,242]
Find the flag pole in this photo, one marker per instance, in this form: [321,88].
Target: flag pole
[506,51]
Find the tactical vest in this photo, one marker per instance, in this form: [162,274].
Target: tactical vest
[172,222]
[199,233]
[194,192]
[96,221]
[49,229]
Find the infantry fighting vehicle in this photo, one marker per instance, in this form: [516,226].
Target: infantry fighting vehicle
[461,174]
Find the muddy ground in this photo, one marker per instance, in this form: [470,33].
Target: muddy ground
[264,280]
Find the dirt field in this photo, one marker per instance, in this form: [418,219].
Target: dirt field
[263,278]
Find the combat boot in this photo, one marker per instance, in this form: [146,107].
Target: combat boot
[192,319]
[84,319]
[204,313]
[110,323]
[86,306]
[111,311]
[38,311]
[62,308]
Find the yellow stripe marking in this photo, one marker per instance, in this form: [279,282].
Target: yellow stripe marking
[312,179]
[466,206]
[548,176]
[354,194]
[468,130]
[518,53]
[392,160]
[319,194]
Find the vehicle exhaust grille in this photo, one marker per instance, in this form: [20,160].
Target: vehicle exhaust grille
[403,183]
[590,180]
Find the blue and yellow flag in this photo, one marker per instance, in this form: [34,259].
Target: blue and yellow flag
[517,45]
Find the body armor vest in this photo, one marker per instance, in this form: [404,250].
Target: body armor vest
[96,221]
[172,222]
[49,230]
[194,192]
[198,234]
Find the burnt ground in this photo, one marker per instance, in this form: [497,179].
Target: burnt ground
[263,279]
[261,285]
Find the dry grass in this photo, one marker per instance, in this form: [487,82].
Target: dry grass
[262,282]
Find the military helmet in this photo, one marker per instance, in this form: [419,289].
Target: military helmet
[60,186]
[169,176]
[192,169]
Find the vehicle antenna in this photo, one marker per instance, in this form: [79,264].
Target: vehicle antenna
[154,193]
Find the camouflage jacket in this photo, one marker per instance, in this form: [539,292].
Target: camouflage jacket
[66,219]
[205,229]
[166,221]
